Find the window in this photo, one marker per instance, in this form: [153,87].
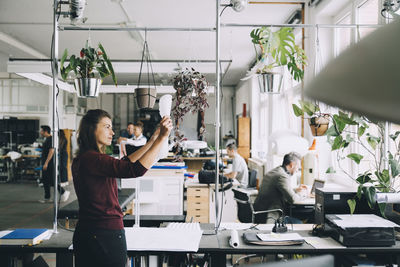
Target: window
[343,35]
[367,13]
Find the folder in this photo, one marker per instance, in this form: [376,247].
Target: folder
[25,237]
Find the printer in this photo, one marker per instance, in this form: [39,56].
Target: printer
[333,200]
[361,230]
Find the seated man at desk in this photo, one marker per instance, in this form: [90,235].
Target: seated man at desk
[239,166]
[275,191]
[134,138]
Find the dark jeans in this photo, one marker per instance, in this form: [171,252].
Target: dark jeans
[99,247]
[48,181]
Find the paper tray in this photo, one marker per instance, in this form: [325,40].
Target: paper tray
[251,238]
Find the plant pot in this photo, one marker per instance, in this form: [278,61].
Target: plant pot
[146,97]
[87,87]
[270,82]
[319,125]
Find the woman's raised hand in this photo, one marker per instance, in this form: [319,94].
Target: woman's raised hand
[165,126]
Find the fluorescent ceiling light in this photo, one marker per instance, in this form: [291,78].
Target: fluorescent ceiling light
[47,80]
[169,89]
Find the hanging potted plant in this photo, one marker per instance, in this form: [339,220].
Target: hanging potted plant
[191,96]
[88,66]
[318,121]
[277,49]
[146,96]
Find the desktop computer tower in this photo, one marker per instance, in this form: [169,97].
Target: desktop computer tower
[334,201]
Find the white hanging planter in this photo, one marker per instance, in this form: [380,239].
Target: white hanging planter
[146,97]
[270,83]
[87,87]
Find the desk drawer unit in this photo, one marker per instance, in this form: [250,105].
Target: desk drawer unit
[198,204]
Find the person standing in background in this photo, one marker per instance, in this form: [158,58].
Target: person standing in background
[48,166]
[63,162]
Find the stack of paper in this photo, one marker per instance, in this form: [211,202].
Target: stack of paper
[24,236]
[182,238]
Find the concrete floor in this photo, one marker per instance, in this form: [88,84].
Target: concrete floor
[20,208]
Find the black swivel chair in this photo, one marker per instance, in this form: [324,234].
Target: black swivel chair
[245,209]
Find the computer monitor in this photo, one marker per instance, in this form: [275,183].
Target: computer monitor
[320,261]
[317,184]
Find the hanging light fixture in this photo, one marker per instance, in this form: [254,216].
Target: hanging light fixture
[239,5]
[146,96]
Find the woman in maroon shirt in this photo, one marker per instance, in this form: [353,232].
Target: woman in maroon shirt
[99,237]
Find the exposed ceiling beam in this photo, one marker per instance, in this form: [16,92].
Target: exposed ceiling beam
[20,45]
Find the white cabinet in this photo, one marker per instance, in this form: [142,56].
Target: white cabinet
[161,191]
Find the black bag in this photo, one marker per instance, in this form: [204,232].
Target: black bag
[208,177]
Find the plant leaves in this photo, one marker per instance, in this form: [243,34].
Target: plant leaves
[352,205]
[297,111]
[330,170]
[382,207]
[370,194]
[337,143]
[394,167]
[394,136]
[372,142]
[108,62]
[365,178]
[332,131]
[340,125]
[355,157]
[361,131]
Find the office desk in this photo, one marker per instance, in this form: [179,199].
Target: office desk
[219,255]
[71,211]
[217,246]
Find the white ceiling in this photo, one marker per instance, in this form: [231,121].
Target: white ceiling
[30,23]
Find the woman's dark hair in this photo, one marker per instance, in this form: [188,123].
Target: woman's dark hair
[87,128]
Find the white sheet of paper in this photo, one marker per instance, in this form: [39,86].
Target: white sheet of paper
[318,242]
[280,237]
[165,104]
[162,239]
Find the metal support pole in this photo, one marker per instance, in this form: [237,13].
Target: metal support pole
[386,146]
[54,66]
[217,115]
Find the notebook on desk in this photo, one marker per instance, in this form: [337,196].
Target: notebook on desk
[273,239]
[25,236]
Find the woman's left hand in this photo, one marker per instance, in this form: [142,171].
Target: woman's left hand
[165,126]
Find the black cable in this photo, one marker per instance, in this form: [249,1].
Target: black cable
[220,14]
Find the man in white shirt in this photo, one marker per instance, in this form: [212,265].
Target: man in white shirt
[239,166]
[137,140]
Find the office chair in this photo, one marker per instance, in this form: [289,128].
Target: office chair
[246,212]
[252,178]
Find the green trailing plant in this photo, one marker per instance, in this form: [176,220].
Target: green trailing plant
[318,121]
[279,49]
[89,62]
[348,128]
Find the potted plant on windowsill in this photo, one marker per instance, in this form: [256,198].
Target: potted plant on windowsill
[319,122]
[277,49]
[89,68]
[349,129]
